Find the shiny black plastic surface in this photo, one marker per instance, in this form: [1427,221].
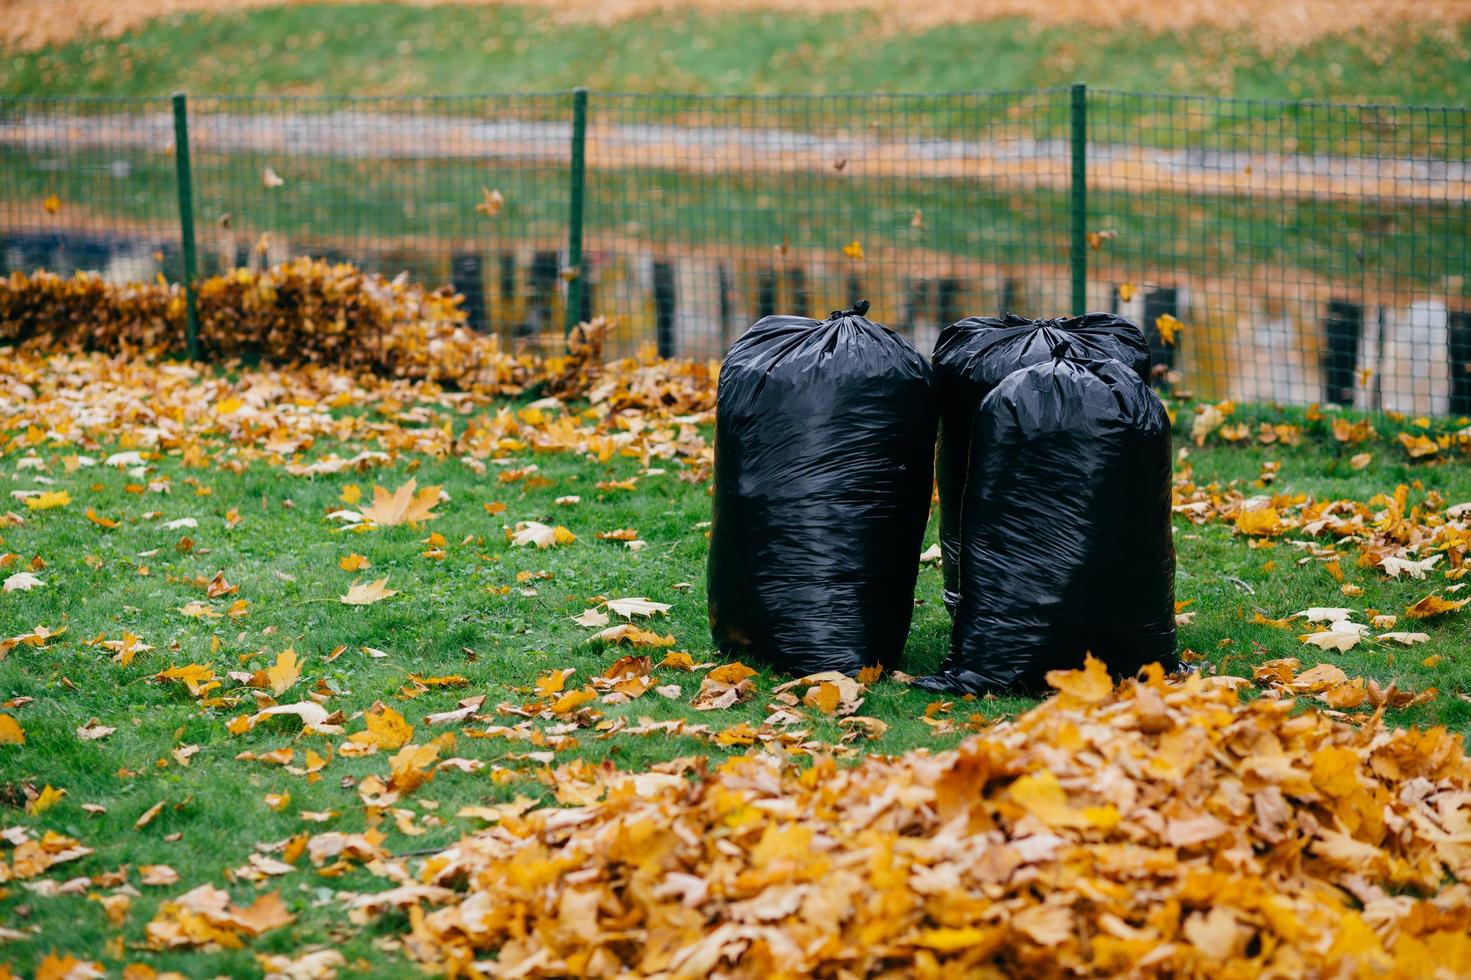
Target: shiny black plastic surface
[824,454]
[971,358]
[1066,533]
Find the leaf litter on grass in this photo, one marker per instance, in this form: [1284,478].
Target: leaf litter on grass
[937,859]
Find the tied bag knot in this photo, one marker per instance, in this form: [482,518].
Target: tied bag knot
[860,308]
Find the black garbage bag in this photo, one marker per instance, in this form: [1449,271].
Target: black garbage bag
[824,464]
[1066,530]
[971,358]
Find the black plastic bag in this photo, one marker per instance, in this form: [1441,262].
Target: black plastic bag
[971,357]
[824,463]
[1067,544]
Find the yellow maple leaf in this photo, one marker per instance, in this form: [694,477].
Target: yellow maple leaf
[854,250]
[1434,605]
[551,683]
[1262,522]
[49,797]
[573,700]
[825,697]
[741,734]
[678,660]
[265,913]
[731,673]
[367,593]
[1342,637]
[410,766]
[48,500]
[1126,291]
[284,672]
[219,586]
[1041,795]
[1418,446]
[10,731]
[783,844]
[100,521]
[1208,418]
[148,815]
[441,680]
[198,678]
[631,634]
[1092,684]
[1167,326]
[491,202]
[353,563]
[1346,431]
[955,940]
[351,493]
[538,534]
[405,505]
[51,204]
[1336,770]
[127,648]
[386,729]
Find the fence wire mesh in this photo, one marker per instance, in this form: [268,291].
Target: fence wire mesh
[1283,252]
[84,187]
[1313,253]
[470,191]
[705,214]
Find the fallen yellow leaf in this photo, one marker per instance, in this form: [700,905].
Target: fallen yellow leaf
[353,563]
[10,731]
[48,500]
[367,593]
[405,505]
[47,799]
[284,672]
[1434,605]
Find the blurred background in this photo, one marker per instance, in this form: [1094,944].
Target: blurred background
[1277,191]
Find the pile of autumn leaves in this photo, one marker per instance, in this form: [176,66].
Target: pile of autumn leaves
[302,311]
[1164,829]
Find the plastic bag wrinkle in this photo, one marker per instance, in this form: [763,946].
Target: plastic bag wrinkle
[823,471]
[1067,543]
[971,357]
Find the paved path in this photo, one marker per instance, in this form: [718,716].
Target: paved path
[1003,158]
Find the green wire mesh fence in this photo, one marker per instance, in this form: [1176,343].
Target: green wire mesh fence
[1283,252]
[89,184]
[1313,253]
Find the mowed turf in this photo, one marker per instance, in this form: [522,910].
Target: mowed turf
[398,49]
[500,617]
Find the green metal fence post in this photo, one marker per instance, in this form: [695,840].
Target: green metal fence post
[1078,207]
[186,218]
[574,222]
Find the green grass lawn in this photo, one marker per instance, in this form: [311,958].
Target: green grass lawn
[402,48]
[449,618]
